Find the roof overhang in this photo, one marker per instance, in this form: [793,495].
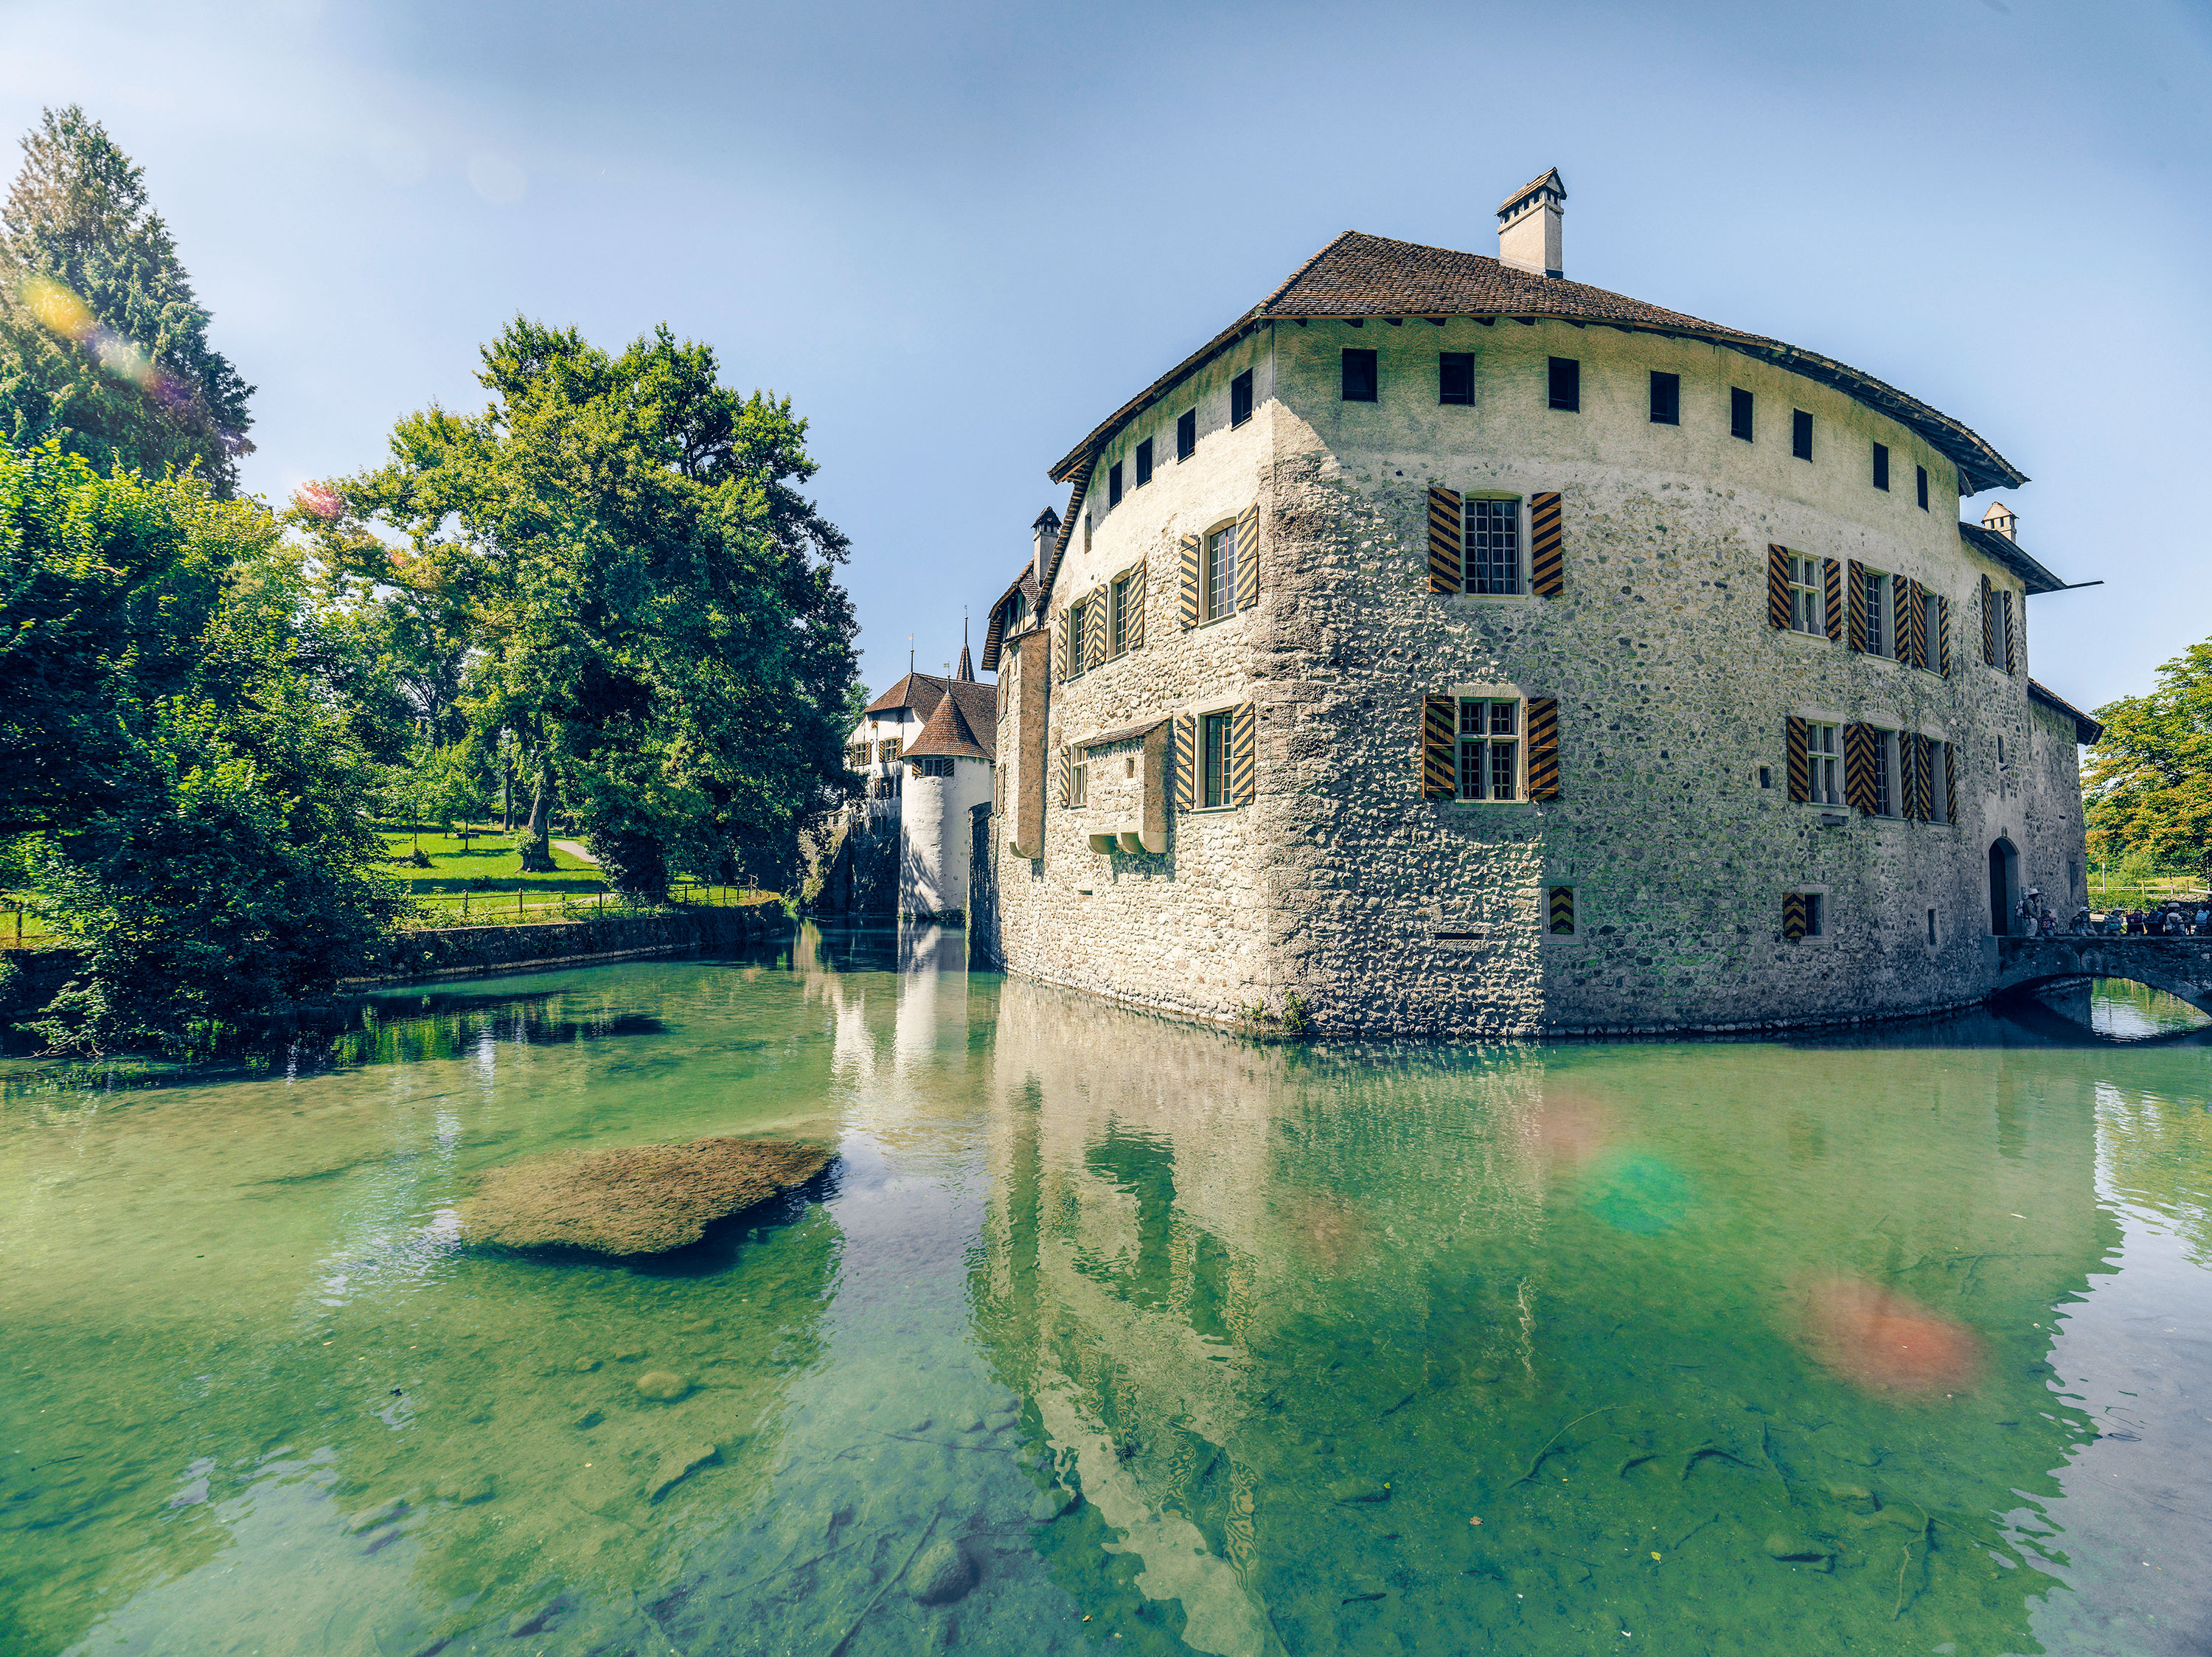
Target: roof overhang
[2007,552]
[2087,729]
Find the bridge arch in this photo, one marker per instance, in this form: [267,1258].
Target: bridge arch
[2181,967]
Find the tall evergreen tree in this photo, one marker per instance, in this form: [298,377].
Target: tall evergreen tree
[102,345]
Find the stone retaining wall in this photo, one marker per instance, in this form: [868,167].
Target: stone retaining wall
[481,951]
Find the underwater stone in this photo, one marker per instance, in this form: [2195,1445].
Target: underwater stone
[641,1199]
[1799,1549]
[370,1518]
[1359,1489]
[942,1574]
[662,1384]
[678,1465]
[1051,1502]
[1854,1498]
[467,1489]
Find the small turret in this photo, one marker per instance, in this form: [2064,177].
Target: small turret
[1528,226]
[1044,535]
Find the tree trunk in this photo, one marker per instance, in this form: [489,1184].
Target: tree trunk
[507,800]
[537,835]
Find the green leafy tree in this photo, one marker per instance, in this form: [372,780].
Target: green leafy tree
[650,598]
[102,345]
[2148,786]
[178,774]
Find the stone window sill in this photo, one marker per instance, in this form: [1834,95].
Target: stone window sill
[1489,805]
[1491,598]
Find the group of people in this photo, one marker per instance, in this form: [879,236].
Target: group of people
[2173,919]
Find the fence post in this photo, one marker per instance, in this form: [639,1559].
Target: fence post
[518,901]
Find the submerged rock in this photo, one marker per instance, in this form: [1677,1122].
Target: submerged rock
[663,1384]
[641,1199]
[942,1574]
[678,1466]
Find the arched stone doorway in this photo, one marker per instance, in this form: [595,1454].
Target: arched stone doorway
[2004,886]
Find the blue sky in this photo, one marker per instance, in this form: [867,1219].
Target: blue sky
[957,237]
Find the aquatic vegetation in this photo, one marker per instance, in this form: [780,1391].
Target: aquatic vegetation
[639,1199]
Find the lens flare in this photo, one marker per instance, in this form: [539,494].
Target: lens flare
[63,313]
[1885,1344]
[318,500]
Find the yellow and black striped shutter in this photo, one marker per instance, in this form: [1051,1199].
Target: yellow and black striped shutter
[1060,647]
[1186,611]
[1917,622]
[1094,636]
[1858,766]
[1547,568]
[1793,915]
[1943,635]
[1908,761]
[1563,910]
[2011,636]
[1855,604]
[1543,747]
[1795,759]
[1950,782]
[1928,779]
[1831,597]
[1900,618]
[1133,628]
[1439,739]
[1186,762]
[1989,623]
[1444,569]
[1066,774]
[1243,734]
[1248,557]
[1777,586]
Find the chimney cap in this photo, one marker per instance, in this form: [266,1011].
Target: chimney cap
[1046,519]
[1548,182]
[2001,518]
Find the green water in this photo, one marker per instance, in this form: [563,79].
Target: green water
[1185,1343]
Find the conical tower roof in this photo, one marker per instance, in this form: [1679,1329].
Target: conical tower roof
[946,734]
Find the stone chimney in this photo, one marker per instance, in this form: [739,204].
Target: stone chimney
[1043,533]
[1528,227]
[1999,517]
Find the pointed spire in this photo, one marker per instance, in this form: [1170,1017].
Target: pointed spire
[967,667]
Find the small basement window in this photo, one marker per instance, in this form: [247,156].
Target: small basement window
[1566,384]
[1801,434]
[1740,413]
[1561,907]
[1456,376]
[1804,914]
[1358,376]
[1666,399]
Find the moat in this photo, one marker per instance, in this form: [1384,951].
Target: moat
[1891,1341]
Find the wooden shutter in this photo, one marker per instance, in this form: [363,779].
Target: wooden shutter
[1900,618]
[1186,611]
[1444,567]
[1563,910]
[1793,915]
[1060,647]
[1795,759]
[1943,635]
[1066,775]
[1133,628]
[1438,741]
[1186,762]
[1543,747]
[2011,636]
[1858,766]
[1908,762]
[1547,568]
[1094,636]
[1989,623]
[1777,587]
[1855,604]
[1917,623]
[1832,598]
[1243,732]
[1950,783]
[1927,746]
[1248,557]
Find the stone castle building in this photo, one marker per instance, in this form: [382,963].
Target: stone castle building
[1449,646]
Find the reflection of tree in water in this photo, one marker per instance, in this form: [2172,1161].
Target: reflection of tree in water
[1613,1303]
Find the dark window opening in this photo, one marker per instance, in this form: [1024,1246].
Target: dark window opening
[1881,465]
[1358,376]
[1214,745]
[1666,399]
[1144,463]
[1931,929]
[1740,413]
[1566,384]
[1240,398]
[1765,777]
[1801,434]
[1456,376]
[1185,435]
[1920,483]
[1114,485]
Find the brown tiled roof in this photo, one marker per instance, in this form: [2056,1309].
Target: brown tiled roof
[2086,729]
[947,731]
[2006,551]
[995,635]
[1363,276]
[920,693]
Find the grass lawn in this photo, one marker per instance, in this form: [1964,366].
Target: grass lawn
[485,879]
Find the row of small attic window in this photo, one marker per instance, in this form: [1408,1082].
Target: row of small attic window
[1186,440]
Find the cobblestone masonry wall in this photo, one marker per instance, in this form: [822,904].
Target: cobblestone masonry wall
[1673,690]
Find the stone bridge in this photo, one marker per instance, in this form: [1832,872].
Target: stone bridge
[2179,966]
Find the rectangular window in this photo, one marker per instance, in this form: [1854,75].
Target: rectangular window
[1144,463]
[1801,434]
[1939,783]
[1880,629]
[1117,634]
[1240,398]
[1920,485]
[887,751]
[1214,749]
[1489,748]
[1220,594]
[935,764]
[1185,435]
[1885,773]
[1358,376]
[1806,614]
[1566,383]
[1456,376]
[1816,914]
[1740,413]
[1931,628]
[1493,546]
[1824,760]
[1078,781]
[1666,399]
[1113,485]
[1881,465]
[856,755]
[1562,907]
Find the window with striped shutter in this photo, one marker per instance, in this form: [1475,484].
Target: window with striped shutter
[1858,610]
[1793,915]
[1187,605]
[1066,775]
[1858,767]
[1094,632]
[1943,635]
[1243,744]
[1777,587]
[1900,618]
[1915,630]
[1059,648]
[1186,762]
[1928,748]
[1908,763]
[1547,568]
[1989,623]
[1562,906]
[1134,628]
[1444,568]
[1543,728]
[1950,783]
[1439,744]
[1832,598]
[1795,760]
[1248,557]
[2011,636]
